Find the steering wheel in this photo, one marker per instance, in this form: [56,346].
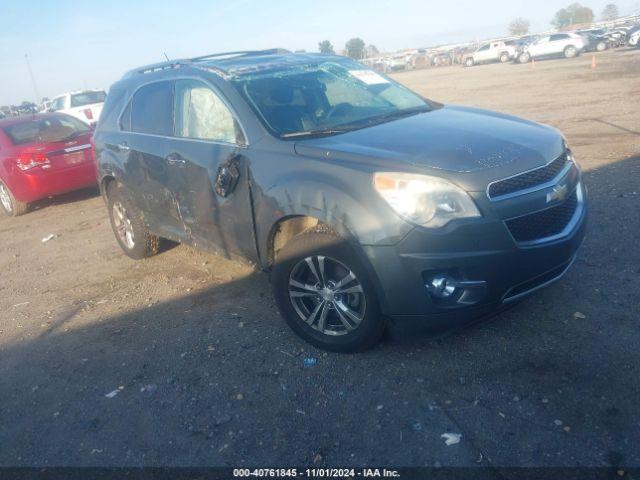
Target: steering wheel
[338,109]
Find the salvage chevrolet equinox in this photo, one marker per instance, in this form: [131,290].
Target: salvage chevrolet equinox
[367,203]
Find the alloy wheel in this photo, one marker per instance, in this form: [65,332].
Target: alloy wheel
[5,198]
[327,295]
[123,226]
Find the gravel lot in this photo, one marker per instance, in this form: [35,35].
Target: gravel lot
[201,370]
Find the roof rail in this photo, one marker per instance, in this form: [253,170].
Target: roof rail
[156,67]
[241,53]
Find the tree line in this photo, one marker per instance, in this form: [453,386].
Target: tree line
[573,14]
[355,48]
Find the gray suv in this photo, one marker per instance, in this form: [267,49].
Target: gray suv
[368,204]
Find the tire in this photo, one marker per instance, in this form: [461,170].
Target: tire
[504,57]
[601,46]
[336,320]
[524,57]
[570,52]
[469,62]
[8,203]
[130,231]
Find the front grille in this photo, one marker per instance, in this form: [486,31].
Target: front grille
[543,224]
[529,179]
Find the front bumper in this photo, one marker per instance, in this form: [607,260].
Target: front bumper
[471,251]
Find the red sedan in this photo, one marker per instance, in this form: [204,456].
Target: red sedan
[43,155]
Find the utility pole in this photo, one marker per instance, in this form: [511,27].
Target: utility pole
[33,80]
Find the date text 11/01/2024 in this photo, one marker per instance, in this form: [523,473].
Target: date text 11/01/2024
[316,473]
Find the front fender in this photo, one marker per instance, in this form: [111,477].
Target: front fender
[347,203]
[359,220]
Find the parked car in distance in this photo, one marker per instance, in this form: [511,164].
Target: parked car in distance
[596,42]
[491,52]
[365,201]
[43,155]
[617,37]
[45,106]
[563,44]
[633,39]
[85,105]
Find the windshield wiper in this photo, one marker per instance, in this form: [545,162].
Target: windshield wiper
[397,114]
[363,123]
[318,132]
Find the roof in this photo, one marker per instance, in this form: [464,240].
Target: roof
[238,63]
[74,92]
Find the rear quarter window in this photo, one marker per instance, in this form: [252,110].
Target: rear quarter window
[152,109]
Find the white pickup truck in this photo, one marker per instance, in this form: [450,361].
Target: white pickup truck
[491,52]
[85,105]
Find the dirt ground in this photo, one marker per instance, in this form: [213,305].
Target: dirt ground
[201,370]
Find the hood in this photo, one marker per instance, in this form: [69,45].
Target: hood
[475,145]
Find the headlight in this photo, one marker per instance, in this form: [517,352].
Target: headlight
[570,156]
[425,200]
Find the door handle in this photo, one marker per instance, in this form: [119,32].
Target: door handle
[123,147]
[176,159]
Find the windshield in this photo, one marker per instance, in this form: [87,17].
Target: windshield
[325,98]
[50,129]
[87,98]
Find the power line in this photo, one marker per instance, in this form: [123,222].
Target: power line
[33,80]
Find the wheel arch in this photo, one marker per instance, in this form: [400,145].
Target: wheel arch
[301,202]
[285,212]
[106,180]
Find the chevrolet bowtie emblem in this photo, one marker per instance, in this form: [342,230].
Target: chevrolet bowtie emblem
[559,193]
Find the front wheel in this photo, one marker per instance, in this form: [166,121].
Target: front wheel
[324,293]
[601,46]
[11,206]
[570,51]
[469,62]
[524,57]
[504,58]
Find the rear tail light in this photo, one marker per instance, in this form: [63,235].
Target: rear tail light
[88,113]
[27,161]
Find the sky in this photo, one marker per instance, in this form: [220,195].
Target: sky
[75,45]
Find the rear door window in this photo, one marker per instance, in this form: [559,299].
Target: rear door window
[558,36]
[152,109]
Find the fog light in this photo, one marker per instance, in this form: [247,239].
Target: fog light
[442,287]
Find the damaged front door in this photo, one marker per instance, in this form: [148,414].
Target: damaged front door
[211,169]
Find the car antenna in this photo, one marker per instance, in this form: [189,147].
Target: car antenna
[166,56]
